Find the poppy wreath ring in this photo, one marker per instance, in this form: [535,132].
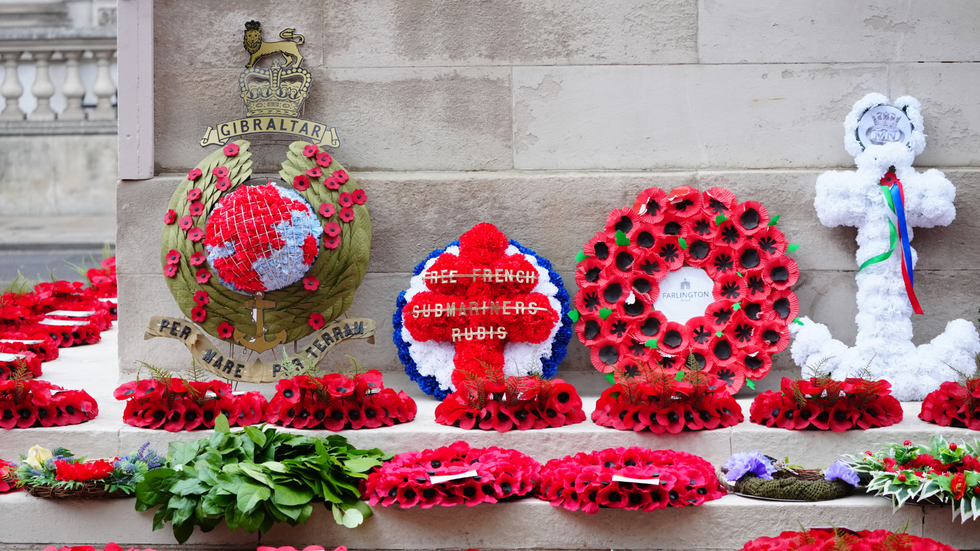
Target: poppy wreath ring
[628,478]
[301,307]
[621,270]
[476,475]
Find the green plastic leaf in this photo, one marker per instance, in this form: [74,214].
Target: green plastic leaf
[651,343]
[578,258]
[621,238]
[792,247]
[682,242]
[611,377]
[679,376]
[719,334]
[750,383]
[736,307]
[774,221]
[604,312]
[720,219]
[797,321]
[574,315]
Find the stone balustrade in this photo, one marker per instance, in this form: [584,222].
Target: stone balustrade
[63,62]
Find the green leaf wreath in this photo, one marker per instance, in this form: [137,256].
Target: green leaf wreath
[940,471]
[255,478]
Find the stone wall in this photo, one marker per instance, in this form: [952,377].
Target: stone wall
[541,116]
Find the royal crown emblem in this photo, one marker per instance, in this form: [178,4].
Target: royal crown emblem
[273,95]
[884,124]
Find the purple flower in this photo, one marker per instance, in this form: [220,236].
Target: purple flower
[840,470]
[745,463]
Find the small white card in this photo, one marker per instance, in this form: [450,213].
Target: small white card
[70,313]
[64,323]
[19,341]
[448,477]
[113,300]
[5,357]
[650,481]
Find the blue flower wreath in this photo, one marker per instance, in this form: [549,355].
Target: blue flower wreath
[549,365]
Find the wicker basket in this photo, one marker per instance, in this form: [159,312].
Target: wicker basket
[89,490]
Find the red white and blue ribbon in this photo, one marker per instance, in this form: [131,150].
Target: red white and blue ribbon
[891,187]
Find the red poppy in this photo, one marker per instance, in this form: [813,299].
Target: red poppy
[339,386]
[170,270]
[339,177]
[198,258]
[231,150]
[327,210]
[225,330]
[222,184]
[750,217]
[221,171]
[331,242]
[314,172]
[173,257]
[199,313]
[301,182]
[194,174]
[170,217]
[203,276]
[311,283]
[323,159]
[889,178]
[185,223]
[195,235]
[194,194]
[80,472]
[347,214]
[332,229]
[316,321]
[201,298]
[310,150]
[360,197]
[196,208]
[345,199]
[781,273]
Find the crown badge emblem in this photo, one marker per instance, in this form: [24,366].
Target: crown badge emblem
[273,95]
[884,124]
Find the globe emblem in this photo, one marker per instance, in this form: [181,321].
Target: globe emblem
[262,238]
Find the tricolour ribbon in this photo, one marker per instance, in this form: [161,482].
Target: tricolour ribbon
[894,194]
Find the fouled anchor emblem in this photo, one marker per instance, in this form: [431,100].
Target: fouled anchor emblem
[259,342]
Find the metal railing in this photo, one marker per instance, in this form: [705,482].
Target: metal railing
[72,75]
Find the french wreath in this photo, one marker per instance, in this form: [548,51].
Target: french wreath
[482,301]
[822,403]
[938,471]
[452,475]
[302,307]
[740,249]
[843,539]
[628,478]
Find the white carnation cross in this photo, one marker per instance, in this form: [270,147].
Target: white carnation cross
[878,141]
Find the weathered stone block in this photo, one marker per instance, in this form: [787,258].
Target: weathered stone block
[838,31]
[513,32]
[46,175]
[686,116]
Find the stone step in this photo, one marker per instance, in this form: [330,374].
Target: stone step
[524,524]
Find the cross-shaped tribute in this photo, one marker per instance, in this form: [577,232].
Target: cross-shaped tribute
[885,198]
[479,301]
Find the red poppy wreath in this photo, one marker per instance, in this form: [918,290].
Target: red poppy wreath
[452,475]
[175,404]
[687,271]
[628,478]
[32,403]
[954,404]
[336,402]
[821,403]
